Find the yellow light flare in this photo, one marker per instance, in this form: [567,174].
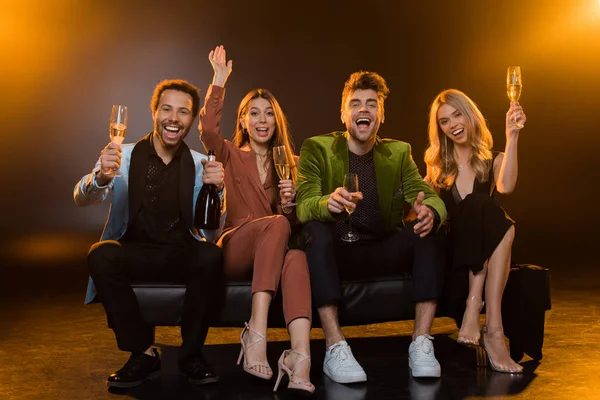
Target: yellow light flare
[560,34]
[30,41]
[566,35]
[38,37]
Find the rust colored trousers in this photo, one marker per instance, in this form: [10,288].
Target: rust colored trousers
[259,248]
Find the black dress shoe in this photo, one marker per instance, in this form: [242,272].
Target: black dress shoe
[197,371]
[135,371]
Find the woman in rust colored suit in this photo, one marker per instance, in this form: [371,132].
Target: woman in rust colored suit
[259,224]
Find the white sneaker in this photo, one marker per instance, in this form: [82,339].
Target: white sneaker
[341,366]
[421,359]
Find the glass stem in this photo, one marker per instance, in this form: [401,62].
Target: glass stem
[350,224]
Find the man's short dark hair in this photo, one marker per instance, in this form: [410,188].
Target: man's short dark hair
[179,85]
[365,80]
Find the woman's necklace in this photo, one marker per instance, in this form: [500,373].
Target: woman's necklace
[261,161]
[460,166]
[262,168]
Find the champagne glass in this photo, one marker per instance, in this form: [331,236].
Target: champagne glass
[118,126]
[282,166]
[351,185]
[514,85]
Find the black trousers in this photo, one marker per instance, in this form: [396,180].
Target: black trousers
[330,260]
[114,266]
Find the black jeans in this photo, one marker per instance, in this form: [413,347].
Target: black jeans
[114,266]
[330,260]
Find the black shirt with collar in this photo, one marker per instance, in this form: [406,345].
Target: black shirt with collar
[158,220]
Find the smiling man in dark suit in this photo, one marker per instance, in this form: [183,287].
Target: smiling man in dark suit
[150,234]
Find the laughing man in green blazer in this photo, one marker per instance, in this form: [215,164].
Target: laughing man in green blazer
[377,243]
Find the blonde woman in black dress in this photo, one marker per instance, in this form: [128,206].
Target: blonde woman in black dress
[466,173]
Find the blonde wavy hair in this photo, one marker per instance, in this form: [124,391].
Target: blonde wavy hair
[442,168]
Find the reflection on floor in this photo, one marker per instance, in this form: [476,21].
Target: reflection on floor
[53,347]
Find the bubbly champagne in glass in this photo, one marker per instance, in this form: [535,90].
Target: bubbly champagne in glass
[118,126]
[282,166]
[283,171]
[514,86]
[118,123]
[351,185]
[117,133]
[355,198]
[514,92]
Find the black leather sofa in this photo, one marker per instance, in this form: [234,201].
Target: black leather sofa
[526,298]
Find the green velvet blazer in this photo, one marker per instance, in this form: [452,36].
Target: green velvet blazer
[324,162]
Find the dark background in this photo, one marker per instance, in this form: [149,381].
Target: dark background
[66,62]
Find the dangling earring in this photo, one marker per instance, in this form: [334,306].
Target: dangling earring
[446,150]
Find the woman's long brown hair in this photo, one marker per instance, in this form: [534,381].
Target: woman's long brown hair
[281,136]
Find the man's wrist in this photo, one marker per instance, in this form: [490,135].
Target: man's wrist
[101,179]
[436,217]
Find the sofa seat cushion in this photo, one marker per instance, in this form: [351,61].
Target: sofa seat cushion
[364,302]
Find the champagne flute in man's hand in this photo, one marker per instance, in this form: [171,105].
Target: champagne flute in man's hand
[118,126]
[351,186]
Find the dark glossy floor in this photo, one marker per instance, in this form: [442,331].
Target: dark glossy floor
[53,347]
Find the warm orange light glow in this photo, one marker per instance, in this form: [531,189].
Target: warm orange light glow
[563,33]
[47,248]
[37,38]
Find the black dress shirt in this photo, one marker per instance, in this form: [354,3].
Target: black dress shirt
[158,220]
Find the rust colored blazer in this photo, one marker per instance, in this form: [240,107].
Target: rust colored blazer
[246,197]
